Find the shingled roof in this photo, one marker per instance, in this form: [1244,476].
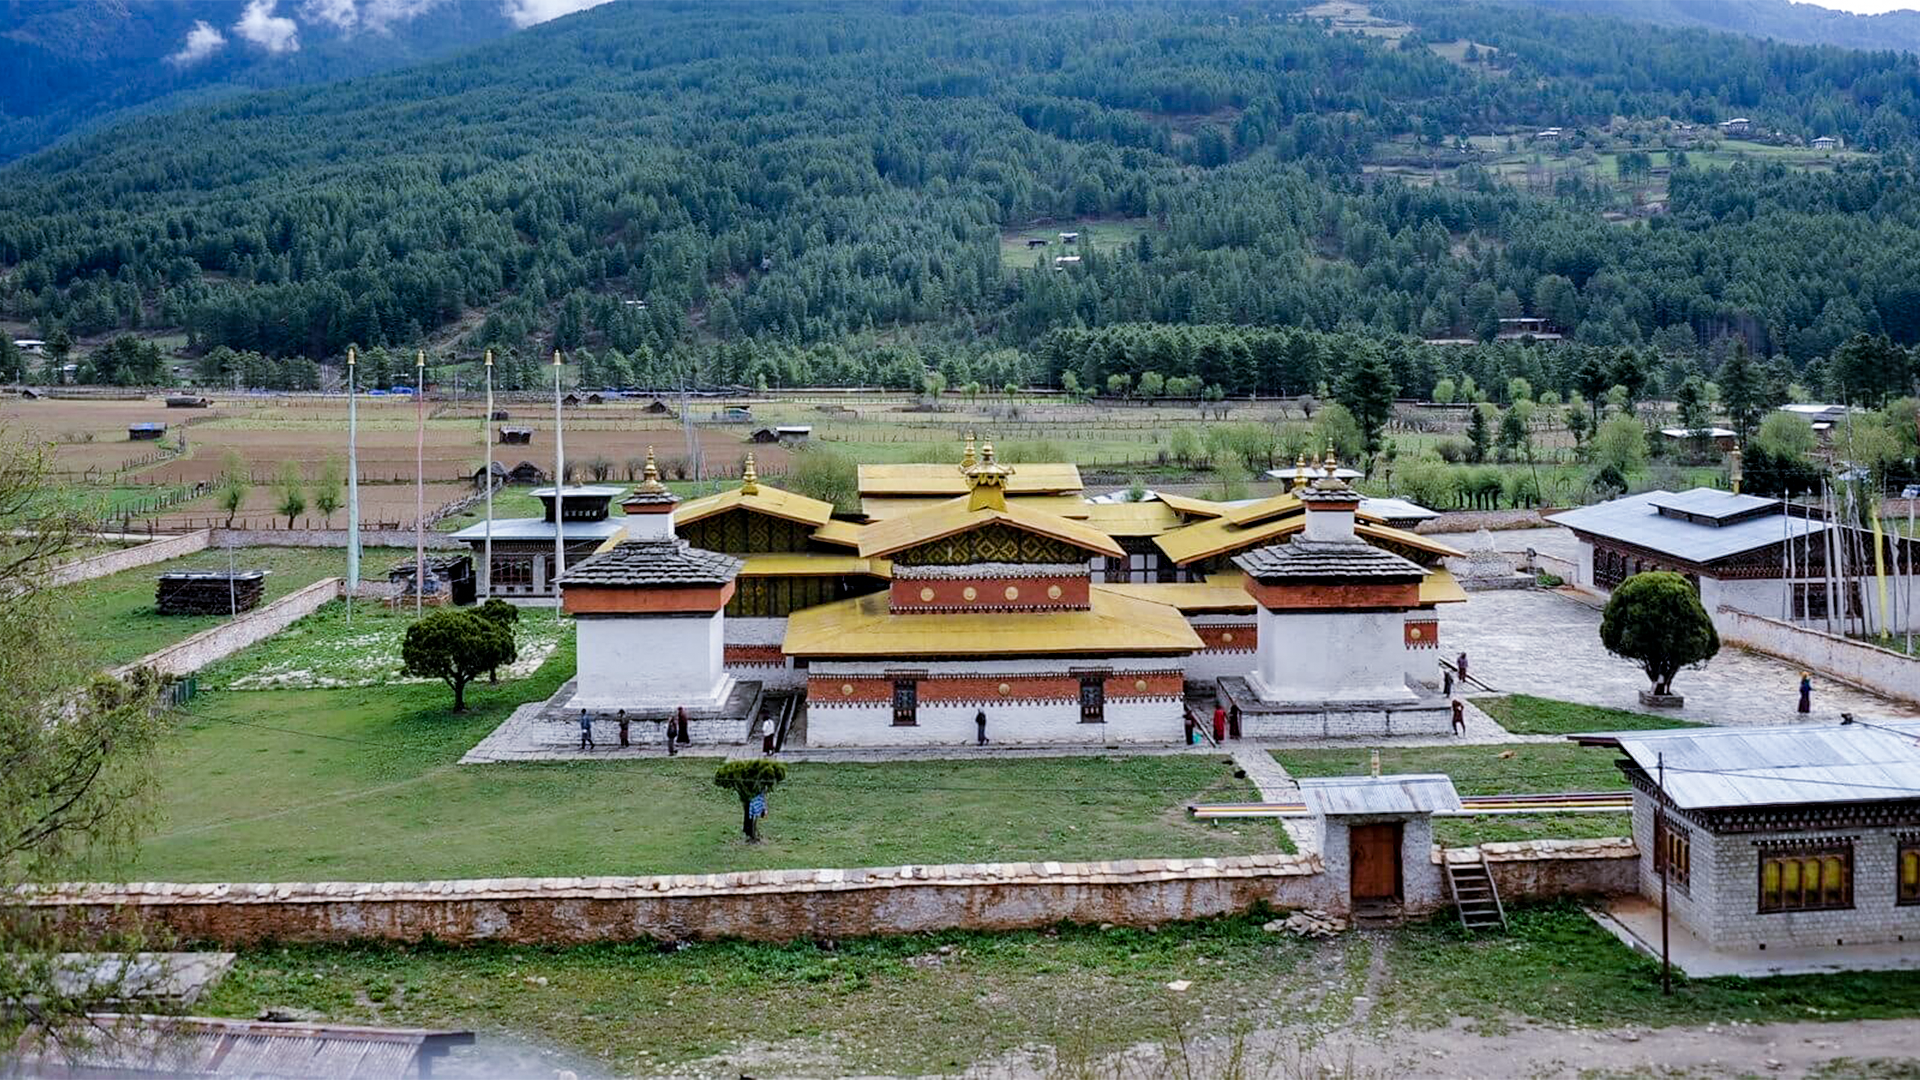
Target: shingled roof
[654,562]
[1305,559]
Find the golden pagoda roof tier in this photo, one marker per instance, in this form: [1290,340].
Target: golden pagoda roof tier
[1272,507]
[865,627]
[1439,587]
[926,479]
[1220,594]
[954,516]
[839,533]
[883,508]
[1133,518]
[1205,539]
[1193,507]
[813,564]
[764,500]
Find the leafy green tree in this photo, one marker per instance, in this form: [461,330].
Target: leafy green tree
[825,474]
[1335,426]
[1619,443]
[1743,390]
[327,493]
[1513,431]
[1151,385]
[1366,389]
[1479,436]
[749,778]
[1690,401]
[1655,619]
[1786,435]
[293,498]
[506,616]
[455,647]
[233,488]
[1443,391]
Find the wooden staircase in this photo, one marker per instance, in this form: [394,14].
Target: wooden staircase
[1474,895]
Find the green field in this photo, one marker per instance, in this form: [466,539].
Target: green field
[1502,769]
[1099,235]
[362,784]
[336,648]
[114,619]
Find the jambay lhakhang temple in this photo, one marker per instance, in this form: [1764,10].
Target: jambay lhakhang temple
[985,587]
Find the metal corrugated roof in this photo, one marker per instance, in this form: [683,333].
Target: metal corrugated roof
[258,1050]
[1772,766]
[842,533]
[1711,503]
[1634,519]
[1113,625]
[1336,796]
[1133,518]
[923,479]
[542,529]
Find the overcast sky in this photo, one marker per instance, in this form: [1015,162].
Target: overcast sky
[1869,7]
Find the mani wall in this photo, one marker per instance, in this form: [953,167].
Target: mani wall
[781,905]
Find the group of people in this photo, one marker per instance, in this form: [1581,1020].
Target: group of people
[677,731]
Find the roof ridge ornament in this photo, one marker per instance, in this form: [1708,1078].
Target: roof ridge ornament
[1299,471]
[749,479]
[968,459]
[650,479]
[987,481]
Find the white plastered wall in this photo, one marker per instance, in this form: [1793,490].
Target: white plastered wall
[762,630]
[1331,656]
[629,661]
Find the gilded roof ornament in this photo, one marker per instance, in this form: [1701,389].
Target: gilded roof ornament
[749,480]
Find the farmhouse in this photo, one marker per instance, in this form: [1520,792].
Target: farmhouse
[523,547]
[140,432]
[1527,327]
[989,587]
[1036,242]
[1721,438]
[516,436]
[1826,142]
[1740,551]
[209,592]
[1779,837]
[187,401]
[1739,125]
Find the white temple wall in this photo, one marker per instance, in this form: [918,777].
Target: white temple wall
[628,661]
[1343,656]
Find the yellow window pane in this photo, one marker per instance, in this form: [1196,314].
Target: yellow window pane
[1790,879]
[1770,882]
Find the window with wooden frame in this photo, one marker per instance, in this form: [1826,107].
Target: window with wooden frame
[1673,852]
[1806,879]
[906,702]
[1906,871]
[1093,699]
[512,572]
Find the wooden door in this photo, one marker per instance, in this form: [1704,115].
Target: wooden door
[1374,851]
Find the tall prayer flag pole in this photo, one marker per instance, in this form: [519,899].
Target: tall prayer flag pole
[353,489]
[486,469]
[559,489]
[419,480]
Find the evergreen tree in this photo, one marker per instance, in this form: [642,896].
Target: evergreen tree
[1367,388]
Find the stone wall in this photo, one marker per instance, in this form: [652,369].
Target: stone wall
[1879,670]
[146,554]
[369,538]
[782,905]
[192,654]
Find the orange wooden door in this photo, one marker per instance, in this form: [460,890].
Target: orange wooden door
[1375,857]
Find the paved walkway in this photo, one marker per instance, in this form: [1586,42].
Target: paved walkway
[1541,642]
[1635,921]
[1276,785]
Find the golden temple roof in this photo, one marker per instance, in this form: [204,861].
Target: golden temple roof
[1114,625]
[840,533]
[1193,507]
[955,516]
[927,479]
[812,564]
[1218,595]
[883,508]
[759,498]
[1132,518]
[1205,539]
[1440,588]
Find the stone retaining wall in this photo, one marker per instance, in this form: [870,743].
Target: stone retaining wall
[781,905]
[171,547]
[190,655]
[398,538]
[1879,670]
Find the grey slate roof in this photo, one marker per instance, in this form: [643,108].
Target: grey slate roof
[1774,766]
[1321,559]
[1635,520]
[578,532]
[1410,794]
[654,562]
[1708,502]
[640,496]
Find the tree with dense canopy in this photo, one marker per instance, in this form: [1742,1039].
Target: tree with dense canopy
[455,647]
[749,778]
[1655,619]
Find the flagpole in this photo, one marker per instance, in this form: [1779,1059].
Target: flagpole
[353,490]
[486,467]
[559,491]
[419,480]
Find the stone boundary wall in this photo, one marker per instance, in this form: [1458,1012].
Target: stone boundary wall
[1869,666]
[146,554]
[192,654]
[398,538]
[781,905]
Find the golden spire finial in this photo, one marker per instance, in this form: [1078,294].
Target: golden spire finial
[749,480]
[1333,464]
[967,459]
[349,356]
[987,481]
[650,479]
[1299,471]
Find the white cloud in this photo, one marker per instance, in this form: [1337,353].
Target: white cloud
[202,41]
[380,14]
[525,13]
[274,33]
[340,13]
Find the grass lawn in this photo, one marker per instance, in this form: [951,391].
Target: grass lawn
[1482,770]
[1523,714]
[967,997]
[114,616]
[1098,235]
[363,784]
[327,649]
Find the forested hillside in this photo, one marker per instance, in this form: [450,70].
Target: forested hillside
[1785,20]
[825,192]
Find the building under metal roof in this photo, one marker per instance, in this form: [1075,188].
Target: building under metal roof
[578,532]
[1342,796]
[203,1046]
[1708,768]
[1638,520]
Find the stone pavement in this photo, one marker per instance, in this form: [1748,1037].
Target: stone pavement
[1541,642]
[1276,785]
[1635,921]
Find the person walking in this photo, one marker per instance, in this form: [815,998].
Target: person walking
[1459,717]
[686,735]
[1460,665]
[623,729]
[586,730]
[1446,683]
[1806,691]
[980,727]
[674,724]
[1219,724]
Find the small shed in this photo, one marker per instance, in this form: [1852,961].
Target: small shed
[145,432]
[764,435]
[498,414]
[29,393]
[1069,237]
[209,592]
[526,473]
[793,434]
[494,469]
[571,400]
[1061,262]
[187,401]
[1721,438]
[1825,142]
[516,436]
[1036,242]
[449,577]
[599,398]
[739,414]
[656,407]
[1376,840]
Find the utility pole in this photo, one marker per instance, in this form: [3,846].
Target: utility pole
[353,493]
[559,491]
[486,471]
[419,480]
[1663,848]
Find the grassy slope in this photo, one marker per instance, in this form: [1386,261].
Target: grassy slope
[114,617]
[363,784]
[1481,770]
